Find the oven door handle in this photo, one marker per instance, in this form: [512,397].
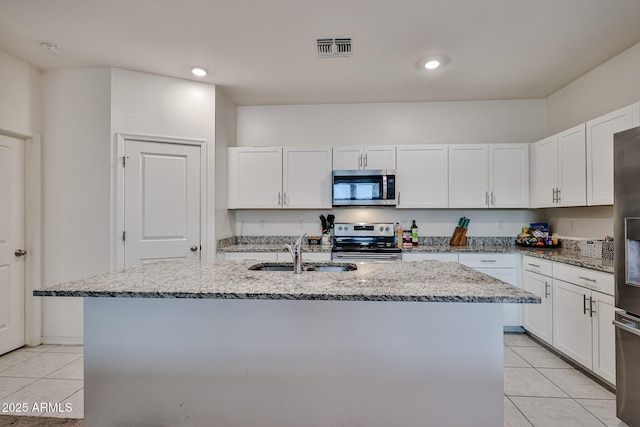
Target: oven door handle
[364,256]
[627,328]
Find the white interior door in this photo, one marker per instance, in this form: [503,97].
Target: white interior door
[162,201]
[11,241]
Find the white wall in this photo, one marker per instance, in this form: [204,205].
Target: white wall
[149,104]
[392,123]
[76,189]
[612,85]
[20,96]
[21,116]
[225,137]
[83,111]
[431,222]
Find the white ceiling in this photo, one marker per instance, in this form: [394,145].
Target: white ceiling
[263,51]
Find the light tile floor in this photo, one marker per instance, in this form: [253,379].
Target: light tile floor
[540,389]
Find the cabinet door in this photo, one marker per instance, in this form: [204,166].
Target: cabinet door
[468,176]
[537,318]
[600,154]
[347,157]
[254,177]
[422,176]
[604,351]
[509,175]
[379,157]
[306,178]
[433,256]
[573,178]
[511,313]
[546,171]
[572,322]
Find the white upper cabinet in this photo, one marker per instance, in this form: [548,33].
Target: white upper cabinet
[489,176]
[306,177]
[422,176]
[276,177]
[573,184]
[364,157]
[254,177]
[559,173]
[468,176]
[600,154]
[509,175]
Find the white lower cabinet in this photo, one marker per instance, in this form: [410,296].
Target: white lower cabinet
[426,256]
[583,317]
[537,318]
[276,256]
[576,313]
[505,267]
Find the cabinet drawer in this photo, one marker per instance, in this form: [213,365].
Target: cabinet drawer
[596,280]
[537,265]
[489,260]
[426,256]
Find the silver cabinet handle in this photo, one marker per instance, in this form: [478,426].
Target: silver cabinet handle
[584,304]
[360,161]
[591,310]
[558,195]
[20,252]
[284,200]
[624,327]
[587,279]
[365,161]
[488,260]
[486,198]
[279,200]
[547,294]
[534,265]
[493,200]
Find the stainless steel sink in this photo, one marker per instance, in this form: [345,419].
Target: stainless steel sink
[330,267]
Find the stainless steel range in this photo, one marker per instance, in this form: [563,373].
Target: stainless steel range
[365,242]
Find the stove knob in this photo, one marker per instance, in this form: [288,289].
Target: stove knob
[381,228]
[387,228]
[346,227]
[340,228]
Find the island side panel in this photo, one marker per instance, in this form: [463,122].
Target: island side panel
[191,362]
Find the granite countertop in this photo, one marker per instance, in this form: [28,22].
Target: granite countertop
[565,256]
[424,281]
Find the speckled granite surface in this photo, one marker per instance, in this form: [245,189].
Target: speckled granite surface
[424,281]
[482,244]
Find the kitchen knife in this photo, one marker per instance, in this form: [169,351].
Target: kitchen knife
[323,222]
[330,219]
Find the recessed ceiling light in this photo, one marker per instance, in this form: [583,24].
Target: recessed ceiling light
[51,48]
[432,64]
[199,71]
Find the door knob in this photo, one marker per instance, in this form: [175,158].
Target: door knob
[194,248]
[20,253]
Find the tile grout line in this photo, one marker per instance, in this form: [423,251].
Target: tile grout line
[519,410]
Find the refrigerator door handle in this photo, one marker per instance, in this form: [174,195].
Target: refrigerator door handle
[627,328]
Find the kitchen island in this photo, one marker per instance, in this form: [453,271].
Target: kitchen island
[215,344]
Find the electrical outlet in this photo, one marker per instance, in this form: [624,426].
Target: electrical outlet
[572,226]
[301,222]
[262,224]
[500,224]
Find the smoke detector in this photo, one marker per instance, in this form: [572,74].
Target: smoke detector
[334,47]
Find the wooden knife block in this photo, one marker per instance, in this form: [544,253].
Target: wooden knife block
[459,237]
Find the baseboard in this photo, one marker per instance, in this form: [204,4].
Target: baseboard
[63,340]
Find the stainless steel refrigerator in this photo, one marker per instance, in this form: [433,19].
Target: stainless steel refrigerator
[626,212]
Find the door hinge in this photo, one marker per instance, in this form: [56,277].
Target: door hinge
[123,234]
[124,160]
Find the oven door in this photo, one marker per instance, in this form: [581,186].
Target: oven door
[366,256]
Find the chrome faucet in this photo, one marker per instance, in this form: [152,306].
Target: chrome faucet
[296,254]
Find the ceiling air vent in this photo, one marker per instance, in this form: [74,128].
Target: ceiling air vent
[334,47]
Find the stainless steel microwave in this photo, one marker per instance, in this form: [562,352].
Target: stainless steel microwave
[364,187]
